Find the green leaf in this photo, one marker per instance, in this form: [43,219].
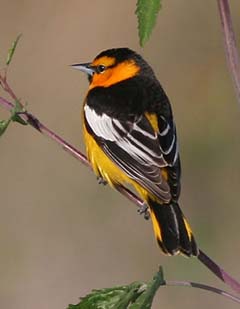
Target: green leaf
[17,109]
[12,50]
[116,298]
[3,125]
[136,295]
[147,11]
[144,301]
[14,117]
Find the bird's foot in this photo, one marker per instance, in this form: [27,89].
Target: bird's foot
[101,181]
[144,210]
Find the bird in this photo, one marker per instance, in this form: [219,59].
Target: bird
[130,138]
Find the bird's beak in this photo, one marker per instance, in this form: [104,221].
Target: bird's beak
[84,67]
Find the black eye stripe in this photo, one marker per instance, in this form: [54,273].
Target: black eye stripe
[101,68]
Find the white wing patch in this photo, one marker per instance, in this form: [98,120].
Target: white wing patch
[105,127]
[134,147]
[101,125]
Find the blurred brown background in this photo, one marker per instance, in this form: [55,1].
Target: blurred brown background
[61,234]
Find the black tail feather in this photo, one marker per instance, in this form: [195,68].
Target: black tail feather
[171,229]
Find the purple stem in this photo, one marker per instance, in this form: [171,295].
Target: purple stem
[36,124]
[203,287]
[218,271]
[230,44]
[8,105]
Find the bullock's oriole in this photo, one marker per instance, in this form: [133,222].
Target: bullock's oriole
[130,137]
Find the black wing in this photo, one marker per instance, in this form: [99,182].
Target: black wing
[169,147]
[134,147]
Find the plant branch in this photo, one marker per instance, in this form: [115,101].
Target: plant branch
[230,44]
[6,87]
[139,295]
[36,124]
[6,104]
[203,287]
[218,271]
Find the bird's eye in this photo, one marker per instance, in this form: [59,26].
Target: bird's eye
[101,68]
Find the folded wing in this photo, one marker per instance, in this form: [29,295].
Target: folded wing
[134,147]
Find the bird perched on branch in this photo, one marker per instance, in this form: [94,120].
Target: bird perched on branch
[130,137]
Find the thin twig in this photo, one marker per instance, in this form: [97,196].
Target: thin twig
[6,104]
[7,88]
[218,271]
[203,287]
[36,124]
[230,44]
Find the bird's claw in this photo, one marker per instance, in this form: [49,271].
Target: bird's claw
[144,210]
[101,181]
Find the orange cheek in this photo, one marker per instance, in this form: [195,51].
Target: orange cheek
[115,75]
[100,79]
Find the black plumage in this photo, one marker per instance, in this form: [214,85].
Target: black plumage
[148,155]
